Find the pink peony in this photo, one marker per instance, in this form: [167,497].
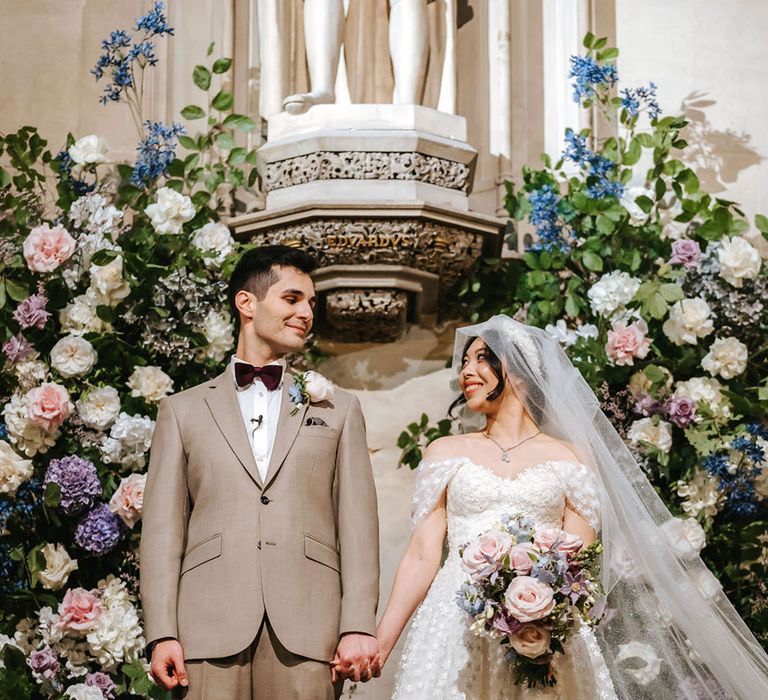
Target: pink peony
[520,557]
[127,501]
[80,610]
[528,599]
[557,539]
[625,342]
[48,405]
[45,248]
[484,555]
[685,252]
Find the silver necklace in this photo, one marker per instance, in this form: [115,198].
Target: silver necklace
[506,450]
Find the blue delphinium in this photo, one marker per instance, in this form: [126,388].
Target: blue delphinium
[3,430]
[634,100]
[156,152]
[154,22]
[545,216]
[588,73]
[64,175]
[736,475]
[598,167]
[9,571]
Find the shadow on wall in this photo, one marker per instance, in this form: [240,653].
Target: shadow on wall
[718,156]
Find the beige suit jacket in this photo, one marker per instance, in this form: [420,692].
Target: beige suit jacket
[219,548]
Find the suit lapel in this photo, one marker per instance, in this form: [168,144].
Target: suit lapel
[223,404]
[287,428]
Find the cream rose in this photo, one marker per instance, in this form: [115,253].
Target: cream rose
[686,536]
[79,316]
[58,567]
[45,248]
[531,640]
[215,242]
[318,388]
[739,260]
[484,555]
[689,320]
[171,211]
[108,283]
[150,383]
[89,150]
[14,469]
[48,405]
[99,408]
[658,434]
[726,357]
[128,500]
[73,356]
[527,599]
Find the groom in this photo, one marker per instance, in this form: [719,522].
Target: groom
[259,549]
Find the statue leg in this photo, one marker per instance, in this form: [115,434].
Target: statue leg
[409,48]
[323,32]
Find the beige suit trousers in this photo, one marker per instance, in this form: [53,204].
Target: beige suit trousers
[265,670]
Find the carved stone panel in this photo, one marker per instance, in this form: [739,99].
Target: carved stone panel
[366,315]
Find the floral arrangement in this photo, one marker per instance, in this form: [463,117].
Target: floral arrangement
[529,589]
[309,387]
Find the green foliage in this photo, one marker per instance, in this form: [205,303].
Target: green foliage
[415,439]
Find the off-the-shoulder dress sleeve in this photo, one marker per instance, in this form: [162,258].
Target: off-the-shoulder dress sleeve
[432,476]
[580,486]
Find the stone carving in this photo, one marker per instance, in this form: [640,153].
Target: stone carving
[364,165]
[366,315]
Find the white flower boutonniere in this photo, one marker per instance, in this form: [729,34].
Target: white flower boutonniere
[309,387]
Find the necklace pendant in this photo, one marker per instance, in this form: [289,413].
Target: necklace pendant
[504,456]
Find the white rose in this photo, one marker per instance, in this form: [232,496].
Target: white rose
[88,150]
[79,316]
[318,388]
[707,390]
[73,356]
[171,210]
[58,567]
[649,664]
[612,292]
[14,469]
[108,283]
[99,408]
[739,260]
[647,430]
[726,357]
[81,691]
[219,331]
[629,201]
[707,583]
[215,238]
[689,320]
[686,536]
[150,383]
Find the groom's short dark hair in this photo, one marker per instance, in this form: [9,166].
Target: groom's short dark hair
[255,271]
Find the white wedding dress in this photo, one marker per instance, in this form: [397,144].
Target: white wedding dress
[441,659]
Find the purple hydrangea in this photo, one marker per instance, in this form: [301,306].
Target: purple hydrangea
[44,663]
[17,348]
[103,682]
[685,252]
[78,481]
[99,531]
[31,312]
[681,411]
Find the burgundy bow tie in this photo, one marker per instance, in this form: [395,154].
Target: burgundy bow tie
[270,375]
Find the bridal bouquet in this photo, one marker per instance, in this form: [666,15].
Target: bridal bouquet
[529,589]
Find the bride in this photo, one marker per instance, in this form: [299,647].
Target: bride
[547,452]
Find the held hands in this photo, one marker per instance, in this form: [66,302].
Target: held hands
[167,667]
[356,658]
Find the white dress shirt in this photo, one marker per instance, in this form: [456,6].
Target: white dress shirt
[255,400]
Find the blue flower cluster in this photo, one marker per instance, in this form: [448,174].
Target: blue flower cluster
[65,176]
[156,152]
[9,571]
[551,234]
[588,73]
[99,531]
[154,22]
[22,506]
[636,99]
[598,167]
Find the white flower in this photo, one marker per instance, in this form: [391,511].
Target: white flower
[99,408]
[701,494]
[215,238]
[150,383]
[318,388]
[88,150]
[587,330]
[726,357]
[171,210]
[219,331]
[79,316]
[73,356]
[739,260]
[117,636]
[649,664]
[561,333]
[669,227]
[629,201]
[129,439]
[92,213]
[30,373]
[689,320]
[58,567]
[707,583]
[107,282]
[14,470]
[686,536]
[81,691]
[652,430]
[612,292]
[761,480]
[707,390]
[28,437]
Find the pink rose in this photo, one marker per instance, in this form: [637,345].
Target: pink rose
[531,640]
[561,541]
[685,252]
[45,248]
[128,500]
[484,555]
[625,342]
[520,557]
[48,405]
[80,610]
[527,599]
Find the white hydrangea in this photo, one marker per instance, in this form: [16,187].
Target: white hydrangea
[29,438]
[628,200]
[568,336]
[81,691]
[219,331]
[171,211]
[709,391]
[99,408]
[651,430]
[79,316]
[689,320]
[215,241]
[14,469]
[30,373]
[726,357]
[700,493]
[129,439]
[686,536]
[92,213]
[117,636]
[73,356]
[612,292]
[739,260]
[150,383]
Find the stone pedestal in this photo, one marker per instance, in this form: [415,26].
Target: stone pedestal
[378,194]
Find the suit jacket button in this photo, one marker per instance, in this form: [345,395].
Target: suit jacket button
[265,500]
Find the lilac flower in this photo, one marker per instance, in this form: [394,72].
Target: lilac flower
[681,411]
[44,663]
[634,100]
[539,570]
[31,312]
[685,252]
[103,682]
[505,624]
[18,348]
[156,152]
[77,480]
[99,531]
[588,74]
[574,587]
[648,406]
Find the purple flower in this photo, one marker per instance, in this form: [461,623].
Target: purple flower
[18,348]
[44,663]
[685,252]
[575,586]
[505,624]
[31,312]
[77,480]
[681,411]
[103,682]
[647,406]
[99,531]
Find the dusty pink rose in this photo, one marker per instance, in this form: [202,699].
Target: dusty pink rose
[45,248]
[528,599]
[552,537]
[484,555]
[129,498]
[625,342]
[531,640]
[48,405]
[685,252]
[520,557]
[681,411]
[80,610]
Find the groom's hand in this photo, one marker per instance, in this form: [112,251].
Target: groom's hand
[167,667]
[356,658]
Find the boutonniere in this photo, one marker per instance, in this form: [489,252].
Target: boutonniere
[309,387]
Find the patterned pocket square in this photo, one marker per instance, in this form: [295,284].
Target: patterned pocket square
[314,420]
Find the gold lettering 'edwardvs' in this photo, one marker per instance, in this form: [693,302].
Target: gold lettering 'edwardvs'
[370,240]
